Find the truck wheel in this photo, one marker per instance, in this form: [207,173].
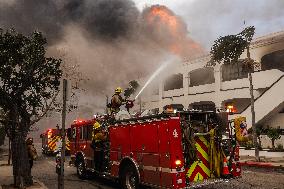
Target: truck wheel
[81,169]
[129,178]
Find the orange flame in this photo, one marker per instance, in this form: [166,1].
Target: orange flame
[173,31]
[161,15]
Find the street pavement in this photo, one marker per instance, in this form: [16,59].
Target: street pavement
[44,170]
[252,178]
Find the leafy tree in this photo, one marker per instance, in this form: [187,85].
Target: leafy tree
[29,85]
[227,50]
[76,81]
[133,86]
[259,131]
[273,134]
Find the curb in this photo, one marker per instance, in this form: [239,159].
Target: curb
[261,165]
[42,186]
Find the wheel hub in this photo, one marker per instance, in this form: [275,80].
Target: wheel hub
[130,181]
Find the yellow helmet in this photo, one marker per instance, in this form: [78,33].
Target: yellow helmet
[97,125]
[118,90]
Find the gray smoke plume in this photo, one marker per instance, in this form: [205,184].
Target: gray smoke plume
[106,18]
[109,39]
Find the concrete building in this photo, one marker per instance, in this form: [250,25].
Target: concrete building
[193,85]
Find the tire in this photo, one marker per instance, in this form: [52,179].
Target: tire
[129,178]
[81,169]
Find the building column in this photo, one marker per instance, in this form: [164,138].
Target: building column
[218,83]
[185,83]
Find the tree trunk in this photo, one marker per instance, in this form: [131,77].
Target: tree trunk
[20,160]
[10,153]
[273,144]
[255,143]
[259,141]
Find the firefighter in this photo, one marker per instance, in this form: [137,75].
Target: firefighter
[190,141]
[116,101]
[99,137]
[32,154]
[169,109]
[244,131]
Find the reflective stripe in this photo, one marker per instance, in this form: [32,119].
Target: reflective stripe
[203,153]
[152,168]
[198,177]
[162,169]
[52,143]
[174,117]
[192,167]
[202,138]
[199,170]
[204,168]
[168,170]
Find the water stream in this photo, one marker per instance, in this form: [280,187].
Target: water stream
[157,72]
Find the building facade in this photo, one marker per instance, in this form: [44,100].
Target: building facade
[193,85]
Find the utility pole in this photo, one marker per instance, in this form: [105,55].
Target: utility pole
[63,133]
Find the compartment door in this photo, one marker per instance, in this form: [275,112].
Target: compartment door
[200,169]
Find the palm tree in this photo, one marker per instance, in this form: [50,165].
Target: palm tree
[227,50]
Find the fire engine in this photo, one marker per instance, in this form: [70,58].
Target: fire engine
[176,150]
[51,142]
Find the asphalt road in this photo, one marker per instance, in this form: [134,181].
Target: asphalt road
[44,170]
[254,178]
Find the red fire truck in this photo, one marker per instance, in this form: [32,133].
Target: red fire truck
[174,150]
[51,142]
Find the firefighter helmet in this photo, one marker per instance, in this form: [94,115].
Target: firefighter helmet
[169,109]
[97,125]
[243,125]
[29,141]
[118,90]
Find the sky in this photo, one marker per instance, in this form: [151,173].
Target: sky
[208,19]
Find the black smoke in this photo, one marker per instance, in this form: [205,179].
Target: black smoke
[107,19]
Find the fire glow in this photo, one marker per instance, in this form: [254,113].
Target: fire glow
[165,24]
[165,16]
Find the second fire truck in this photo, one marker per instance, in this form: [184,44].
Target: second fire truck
[51,142]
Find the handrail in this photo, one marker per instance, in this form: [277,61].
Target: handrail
[263,93]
